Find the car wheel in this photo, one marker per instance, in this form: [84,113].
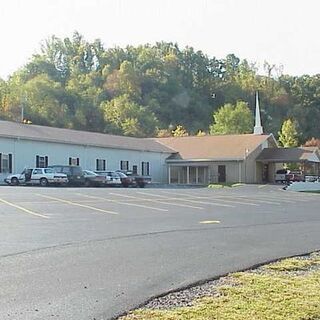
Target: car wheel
[14,181]
[87,183]
[43,182]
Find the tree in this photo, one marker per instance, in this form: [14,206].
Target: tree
[128,118]
[180,131]
[70,81]
[164,133]
[232,119]
[124,81]
[313,142]
[288,136]
[201,133]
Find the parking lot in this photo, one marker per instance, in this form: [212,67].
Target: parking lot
[51,216]
[139,242]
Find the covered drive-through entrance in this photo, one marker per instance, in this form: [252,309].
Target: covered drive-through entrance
[306,159]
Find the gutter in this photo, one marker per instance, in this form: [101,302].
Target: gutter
[203,160]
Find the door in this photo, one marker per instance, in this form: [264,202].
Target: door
[221,173]
[35,176]
[27,175]
[265,173]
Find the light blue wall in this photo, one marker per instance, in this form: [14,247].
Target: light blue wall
[25,151]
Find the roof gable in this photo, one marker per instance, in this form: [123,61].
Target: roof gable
[218,147]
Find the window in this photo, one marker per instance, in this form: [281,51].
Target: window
[100,164]
[48,171]
[74,161]
[5,163]
[135,169]
[124,165]
[42,161]
[66,170]
[145,168]
[37,171]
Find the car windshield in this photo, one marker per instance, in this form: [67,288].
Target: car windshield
[122,175]
[89,173]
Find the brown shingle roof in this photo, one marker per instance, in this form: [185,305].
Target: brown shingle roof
[224,147]
[51,134]
[289,154]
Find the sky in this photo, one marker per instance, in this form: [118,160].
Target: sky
[282,32]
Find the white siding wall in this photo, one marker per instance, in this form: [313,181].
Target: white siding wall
[25,151]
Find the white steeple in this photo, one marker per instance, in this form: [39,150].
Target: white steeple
[258,127]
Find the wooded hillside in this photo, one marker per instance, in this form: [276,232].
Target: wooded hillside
[150,89]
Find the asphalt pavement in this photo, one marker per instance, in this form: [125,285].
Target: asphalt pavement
[94,253]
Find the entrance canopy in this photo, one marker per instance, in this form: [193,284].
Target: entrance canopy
[290,155]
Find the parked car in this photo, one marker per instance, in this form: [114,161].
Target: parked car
[296,175]
[125,180]
[311,178]
[93,179]
[74,173]
[41,176]
[112,178]
[137,180]
[287,176]
[280,175]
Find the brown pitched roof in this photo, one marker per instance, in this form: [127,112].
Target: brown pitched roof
[219,147]
[51,134]
[289,154]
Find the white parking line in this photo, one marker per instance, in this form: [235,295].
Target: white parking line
[161,201]
[209,221]
[219,198]
[77,204]
[187,200]
[24,209]
[276,198]
[267,198]
[294,196]
[124,203]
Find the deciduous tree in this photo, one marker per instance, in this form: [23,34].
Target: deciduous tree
[288,136]
[232,119]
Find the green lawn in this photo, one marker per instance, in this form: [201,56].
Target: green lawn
[286,290]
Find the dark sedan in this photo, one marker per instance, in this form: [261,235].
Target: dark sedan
[125,180]
[137,180]
[93,179]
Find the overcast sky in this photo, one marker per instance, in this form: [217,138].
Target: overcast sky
[283,32]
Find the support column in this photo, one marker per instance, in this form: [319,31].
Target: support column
[188,175]
[169,174]
[197,176]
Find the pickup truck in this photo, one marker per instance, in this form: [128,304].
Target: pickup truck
[285,176]
[40,176]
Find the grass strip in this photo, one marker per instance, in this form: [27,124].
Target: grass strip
[224,185]
[289,289]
